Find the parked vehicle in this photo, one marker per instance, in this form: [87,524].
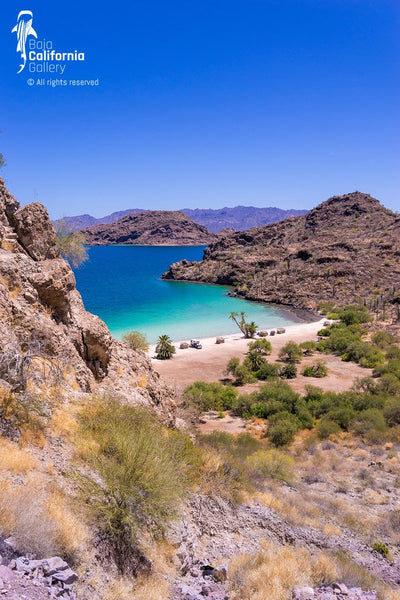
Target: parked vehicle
[196,344]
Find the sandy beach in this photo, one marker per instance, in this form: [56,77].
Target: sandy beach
[209,363]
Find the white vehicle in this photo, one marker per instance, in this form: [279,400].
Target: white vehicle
[196,344]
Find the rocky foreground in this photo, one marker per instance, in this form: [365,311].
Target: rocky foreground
[150,228]
[345,249]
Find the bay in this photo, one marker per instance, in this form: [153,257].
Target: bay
[122,285]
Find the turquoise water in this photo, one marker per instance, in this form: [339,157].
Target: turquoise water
[121,285]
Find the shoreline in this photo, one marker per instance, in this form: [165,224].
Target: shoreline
[209,363]
[298,329]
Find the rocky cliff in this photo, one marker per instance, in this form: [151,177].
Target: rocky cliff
[347,248]
[150,228]
[46,335]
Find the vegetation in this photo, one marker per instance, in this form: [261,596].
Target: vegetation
[71,243]
[317,369]
[141,472]
[136,340]
[210,396]
[165,349]
[247,328]
[291,353]
[381,548]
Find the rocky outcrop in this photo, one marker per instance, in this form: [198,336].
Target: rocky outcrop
[346,249]
[151,228]
[46,331]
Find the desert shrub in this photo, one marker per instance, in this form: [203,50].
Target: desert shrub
[267,371]
[141,473]
[393,353]
[342,415]
[263,346]
[391,412]
[282,428]
[71,243]
[389,384]
[242,406]
[136,340]
[368,421]
[352,315]
[27,413]
[308,348]
[318,369]
[325,307]
[291,352]
[210,396]
[383,339]
[326,428]
[288,371]
[381,548]
[244,375]
[232,366]
[273,464]
[339,340]
[255,359]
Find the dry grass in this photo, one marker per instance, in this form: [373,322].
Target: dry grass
[71,533]
[275,571]
[15,460]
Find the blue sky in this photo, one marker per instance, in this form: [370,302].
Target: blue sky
[204,104]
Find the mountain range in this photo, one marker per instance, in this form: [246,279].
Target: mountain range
[237,217]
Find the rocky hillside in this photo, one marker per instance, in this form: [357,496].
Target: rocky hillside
[150,228]
[47,336]
[347,248]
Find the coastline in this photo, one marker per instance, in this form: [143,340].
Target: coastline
[209,363]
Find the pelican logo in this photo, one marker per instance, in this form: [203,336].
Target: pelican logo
[23,29]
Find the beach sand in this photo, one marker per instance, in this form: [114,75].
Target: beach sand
[209,363]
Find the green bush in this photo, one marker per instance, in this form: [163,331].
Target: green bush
[308,348]
[369,420]
[291,352]
[381,548]
[210,396]
[136,340]
[282,428]
[267,371]
[326,428]
[393,353]
[391,412]
[383,339]
[140,472]
[273,464]
[288,371]
[318,369]
[353,315]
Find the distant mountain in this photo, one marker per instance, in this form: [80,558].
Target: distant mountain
[150,228]
[346,249]
[238,217]
[79,222]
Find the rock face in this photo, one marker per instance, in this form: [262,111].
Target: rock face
[150,228]
[347,248]
[44,327]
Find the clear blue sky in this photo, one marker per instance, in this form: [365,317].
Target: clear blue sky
[205,103]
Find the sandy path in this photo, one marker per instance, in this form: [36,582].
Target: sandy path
[209,364]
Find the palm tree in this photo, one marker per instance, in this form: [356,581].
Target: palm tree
[164,348]
[248,329]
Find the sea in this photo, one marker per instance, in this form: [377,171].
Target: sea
[122,285]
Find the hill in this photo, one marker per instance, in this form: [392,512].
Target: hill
[237,217]
[152,228]
[346,248]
